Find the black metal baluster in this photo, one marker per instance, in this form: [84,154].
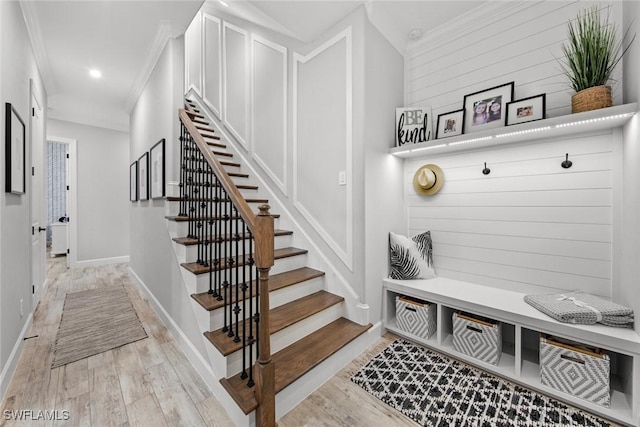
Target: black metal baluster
[239,264]
[253,314]
[245,342]
[183,171]
[191,188]
[227,264]
[229,256]
[218,259]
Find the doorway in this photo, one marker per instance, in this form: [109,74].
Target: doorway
[61,199]
[36,125]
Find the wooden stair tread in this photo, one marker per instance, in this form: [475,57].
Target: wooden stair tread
[277,281]
[194,114]
[281,317]
[179,218]
[204,128]
[210,172]
[230,164]
[222,154]
[196,268]
[190,241]
[239,186]
[179,199]
[200,121]
[216,144]
[294,361]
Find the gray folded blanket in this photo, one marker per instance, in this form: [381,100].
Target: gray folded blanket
[581,308]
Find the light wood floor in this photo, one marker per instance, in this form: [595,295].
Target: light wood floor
[150,382]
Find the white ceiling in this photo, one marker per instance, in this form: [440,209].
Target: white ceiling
[124,38]
[120,38]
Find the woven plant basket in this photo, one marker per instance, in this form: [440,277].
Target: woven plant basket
[591,98]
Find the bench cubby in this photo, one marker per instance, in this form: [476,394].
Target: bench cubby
[521,328]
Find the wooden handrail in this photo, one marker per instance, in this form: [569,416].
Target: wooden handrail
[234,194]
[262,228]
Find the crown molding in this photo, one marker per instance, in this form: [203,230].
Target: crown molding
[37,42]
[472,20]
[162,37]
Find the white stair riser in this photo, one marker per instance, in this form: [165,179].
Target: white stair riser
[276,298]
[295,393]
[181,229]
[291,334]
[280,266]
[190,253]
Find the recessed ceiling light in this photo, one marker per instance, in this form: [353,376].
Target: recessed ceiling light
[415,34]
[96,74]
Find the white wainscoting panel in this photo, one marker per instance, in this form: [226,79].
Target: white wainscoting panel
[530,224]
[235,82]
[269,109]
[193,55]
[518,41]
[322,141]
[212,64]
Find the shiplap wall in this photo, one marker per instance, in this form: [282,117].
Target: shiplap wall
[506,41]
[529,225]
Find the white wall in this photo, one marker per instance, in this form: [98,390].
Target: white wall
[630,252]
[529,225]
[382,173]
[103,189]
[17,67]
[503,42]
[155,116]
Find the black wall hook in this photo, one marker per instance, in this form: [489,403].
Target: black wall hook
[486,170]
[567,163]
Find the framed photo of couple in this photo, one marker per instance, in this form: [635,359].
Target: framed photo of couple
[527,109]
[486,109]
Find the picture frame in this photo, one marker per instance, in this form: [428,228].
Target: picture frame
[133,182]
[157,170]
[143,177]
[450,124]
[527,109]
[15,152]
[480,108]
[413,125]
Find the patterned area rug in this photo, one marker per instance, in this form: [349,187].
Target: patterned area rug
[435,390]
[95,321]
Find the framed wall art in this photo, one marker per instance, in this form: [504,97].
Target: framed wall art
[133,181]
[527,109]
[143,177]
[157,169]
[486,109]
[413,125]
[450,124]
[15,152]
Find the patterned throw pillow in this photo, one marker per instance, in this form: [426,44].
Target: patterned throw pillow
[411,258]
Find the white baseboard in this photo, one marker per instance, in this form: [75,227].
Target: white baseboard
[200,364]
[9,368]
[102,261]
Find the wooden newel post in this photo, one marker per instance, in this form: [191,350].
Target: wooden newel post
[264,368]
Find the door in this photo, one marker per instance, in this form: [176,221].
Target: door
[38,222]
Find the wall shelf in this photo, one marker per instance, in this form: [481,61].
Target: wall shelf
[605,118]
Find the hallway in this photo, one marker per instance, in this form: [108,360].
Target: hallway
[148,382]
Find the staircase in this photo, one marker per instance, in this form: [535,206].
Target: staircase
[257,296]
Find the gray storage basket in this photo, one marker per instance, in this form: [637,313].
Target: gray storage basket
[477,338]
[574,370]
[415,316]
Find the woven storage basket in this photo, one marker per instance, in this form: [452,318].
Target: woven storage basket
[592,98]
[415,316]
[575,369]
[479,338]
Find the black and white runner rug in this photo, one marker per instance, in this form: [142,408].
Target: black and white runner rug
[435,390]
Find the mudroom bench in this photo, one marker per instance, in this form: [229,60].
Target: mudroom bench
[521,328]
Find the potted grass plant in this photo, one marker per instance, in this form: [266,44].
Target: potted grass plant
[592,51]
